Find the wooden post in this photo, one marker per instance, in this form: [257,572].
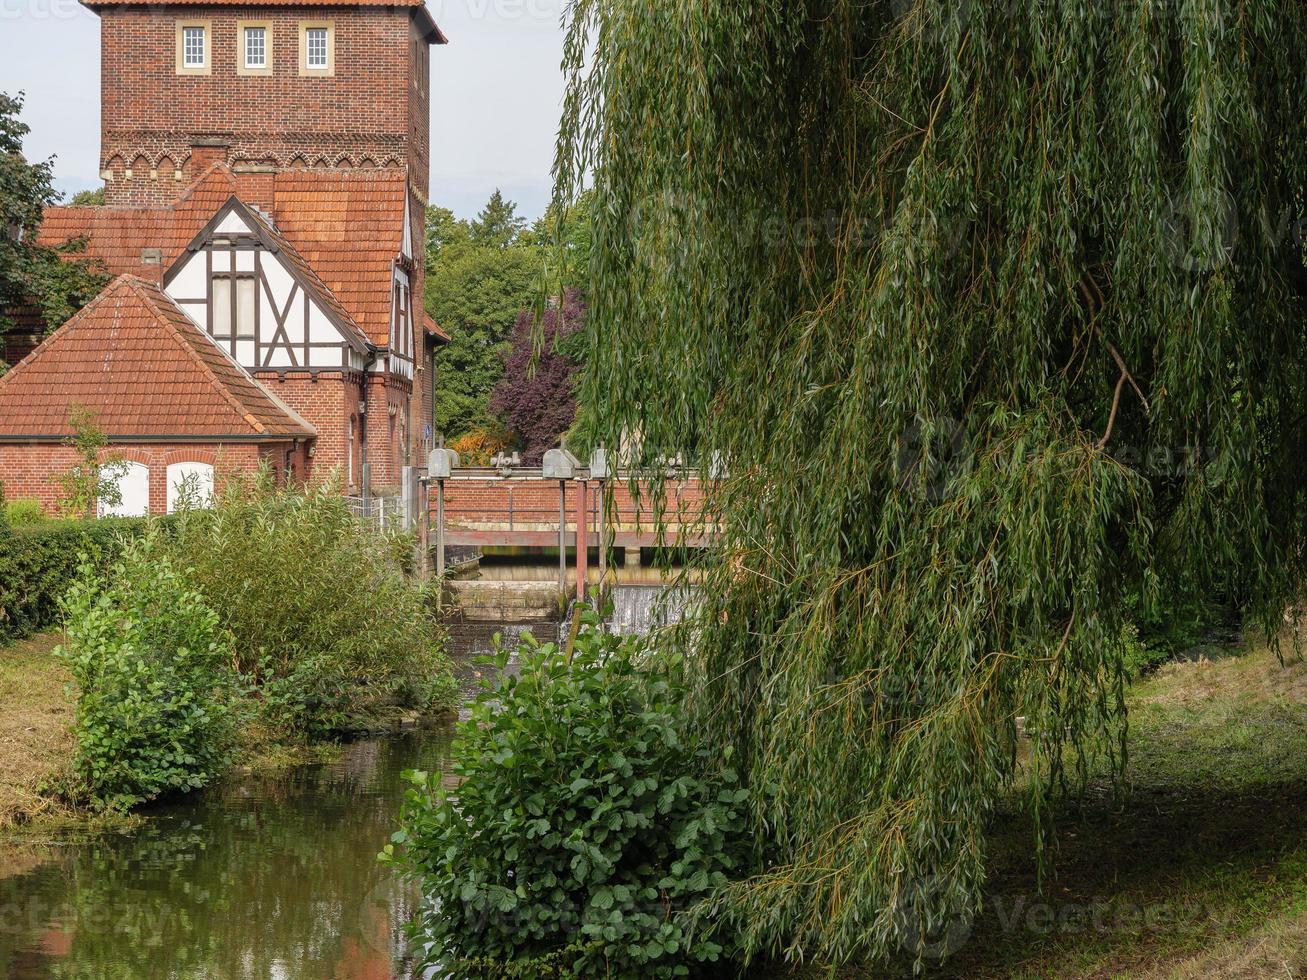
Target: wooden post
[562,537]
[582,549]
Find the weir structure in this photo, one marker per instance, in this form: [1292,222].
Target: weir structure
[561,505]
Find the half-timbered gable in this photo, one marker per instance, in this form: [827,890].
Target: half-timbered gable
[256,297]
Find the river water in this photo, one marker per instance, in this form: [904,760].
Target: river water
[262,876]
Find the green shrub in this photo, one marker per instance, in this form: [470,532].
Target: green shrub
[39,562]
[155,697]
[322,615]
[24,513]
[585,828]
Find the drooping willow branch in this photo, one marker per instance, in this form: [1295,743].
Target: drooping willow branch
[845,253]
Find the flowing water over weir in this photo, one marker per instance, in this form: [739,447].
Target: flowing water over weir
[262,876]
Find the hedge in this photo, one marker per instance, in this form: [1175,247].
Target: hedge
[38,563]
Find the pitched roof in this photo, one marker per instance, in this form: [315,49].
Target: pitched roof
[435,329]
[275,241]
[433,34]
[347,226]
[146,371]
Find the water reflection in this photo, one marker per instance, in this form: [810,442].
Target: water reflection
[270,876]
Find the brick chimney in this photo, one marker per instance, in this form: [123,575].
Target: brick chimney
[206,151]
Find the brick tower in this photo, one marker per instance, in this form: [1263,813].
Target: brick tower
[263,86]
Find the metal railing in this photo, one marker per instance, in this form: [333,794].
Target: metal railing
[385,512]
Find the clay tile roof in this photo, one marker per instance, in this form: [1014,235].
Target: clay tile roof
[346,226]
[145,370]
[349,227]
[435,329]
[118,237]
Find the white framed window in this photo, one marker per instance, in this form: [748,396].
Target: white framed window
[193,47]
[256,47]
[235,297]
[317,48]
[189,483]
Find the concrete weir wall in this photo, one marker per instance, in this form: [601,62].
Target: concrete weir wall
[491,601]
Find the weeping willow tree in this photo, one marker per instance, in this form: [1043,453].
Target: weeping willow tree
[993,315]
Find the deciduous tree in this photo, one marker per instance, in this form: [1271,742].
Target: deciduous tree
[31,273]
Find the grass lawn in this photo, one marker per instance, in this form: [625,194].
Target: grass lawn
[1199,869]
[35,741]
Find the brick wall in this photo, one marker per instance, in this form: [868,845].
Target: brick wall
[328,402]
[369,113]
[30,471]
[472,503]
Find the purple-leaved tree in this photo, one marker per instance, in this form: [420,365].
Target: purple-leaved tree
[536,397]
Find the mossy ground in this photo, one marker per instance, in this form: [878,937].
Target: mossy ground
[1196,867]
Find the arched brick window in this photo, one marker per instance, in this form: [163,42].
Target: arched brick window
[196,478]
[133,480]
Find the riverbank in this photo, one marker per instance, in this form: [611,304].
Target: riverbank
[36,743]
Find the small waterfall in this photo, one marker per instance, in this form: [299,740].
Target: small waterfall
[638,609]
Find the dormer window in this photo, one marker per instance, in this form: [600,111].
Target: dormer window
[193,47]
[317,48]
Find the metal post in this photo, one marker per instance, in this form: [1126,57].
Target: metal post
[562,536]
[440,529]
[601,532]
[582,548]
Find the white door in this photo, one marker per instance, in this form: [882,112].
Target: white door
[133,481]
[197,476]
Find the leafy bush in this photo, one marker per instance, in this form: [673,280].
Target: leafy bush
[322,616]
[585,829]
[39,562]
[480,446]
[154,687]
[24,513]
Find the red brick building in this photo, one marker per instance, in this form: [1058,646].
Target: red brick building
[265,168]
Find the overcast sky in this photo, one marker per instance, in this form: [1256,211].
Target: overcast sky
[496,94]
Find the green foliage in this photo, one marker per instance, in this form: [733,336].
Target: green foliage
[481,275]
[994,315]
[32,273]
[152,672]
[39,562]
[585,828]
[88,199]
[497,225]
[476,291]
[23,512]
[321,613]
[567,232]
[93,476]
